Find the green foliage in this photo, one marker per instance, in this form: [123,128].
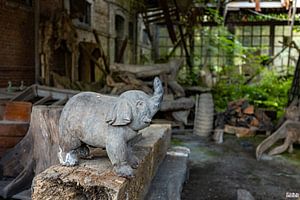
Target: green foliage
[270,92]
[241,75]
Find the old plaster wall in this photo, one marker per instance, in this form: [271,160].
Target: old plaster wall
[16,43]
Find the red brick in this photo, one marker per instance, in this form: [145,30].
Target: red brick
[16,44]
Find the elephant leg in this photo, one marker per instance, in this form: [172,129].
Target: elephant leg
[132,159]
[281,148]
[67,153]
[117,151]
[83,151]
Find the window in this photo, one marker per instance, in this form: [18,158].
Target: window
[120,34]
[81,10]
[130,31]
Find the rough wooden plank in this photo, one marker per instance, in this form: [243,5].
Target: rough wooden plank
[43,100]
[60,102]
[95,179]
[17,111]
[56,93]
[9,142]
[12,129]
[28,94]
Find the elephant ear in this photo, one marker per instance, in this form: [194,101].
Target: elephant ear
[120,114]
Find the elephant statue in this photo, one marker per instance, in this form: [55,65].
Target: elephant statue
[108,122]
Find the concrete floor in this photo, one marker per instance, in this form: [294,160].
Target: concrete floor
[218,171]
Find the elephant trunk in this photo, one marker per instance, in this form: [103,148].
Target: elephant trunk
[266,144]
[156,99]
[277,135]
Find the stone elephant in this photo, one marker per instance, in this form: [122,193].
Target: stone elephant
[109,122]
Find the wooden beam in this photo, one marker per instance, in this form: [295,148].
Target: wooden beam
[56,93]
[122,50]
[28,94]
[36,40]
[188,59]
[60,102]
[43,100]
[93,58]
[103,56]
[165,8]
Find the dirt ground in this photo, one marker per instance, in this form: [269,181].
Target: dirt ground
[217,171]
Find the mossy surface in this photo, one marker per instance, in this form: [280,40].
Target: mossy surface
[293,158]
[177,142]
[208,151]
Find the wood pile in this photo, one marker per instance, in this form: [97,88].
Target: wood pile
[243,120]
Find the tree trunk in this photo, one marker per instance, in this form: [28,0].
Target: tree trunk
[34,153]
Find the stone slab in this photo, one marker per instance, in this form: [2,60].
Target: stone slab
[95,179]
[171,175]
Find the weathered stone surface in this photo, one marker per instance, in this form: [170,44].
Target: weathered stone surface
[172,173]
[95,179]
[244,195]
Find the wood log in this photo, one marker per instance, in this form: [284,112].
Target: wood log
[178,104]
[249,110]
[34,153]
[144,71]
[95,179]
[239,131]
[177,89]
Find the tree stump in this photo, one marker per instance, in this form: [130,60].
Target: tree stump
[34,153]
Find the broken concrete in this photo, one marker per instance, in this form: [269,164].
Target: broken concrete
[95,179]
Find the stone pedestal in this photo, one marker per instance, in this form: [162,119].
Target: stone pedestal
[95,179]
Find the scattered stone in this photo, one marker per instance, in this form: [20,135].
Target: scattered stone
[244,195]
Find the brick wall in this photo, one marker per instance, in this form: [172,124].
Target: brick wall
[16,43]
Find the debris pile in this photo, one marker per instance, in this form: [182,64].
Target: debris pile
[242,119]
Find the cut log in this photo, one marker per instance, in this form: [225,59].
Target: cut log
[95,179]
[239,131]
[249,110]
[34,153]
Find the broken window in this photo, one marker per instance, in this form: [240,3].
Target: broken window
[81,9]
